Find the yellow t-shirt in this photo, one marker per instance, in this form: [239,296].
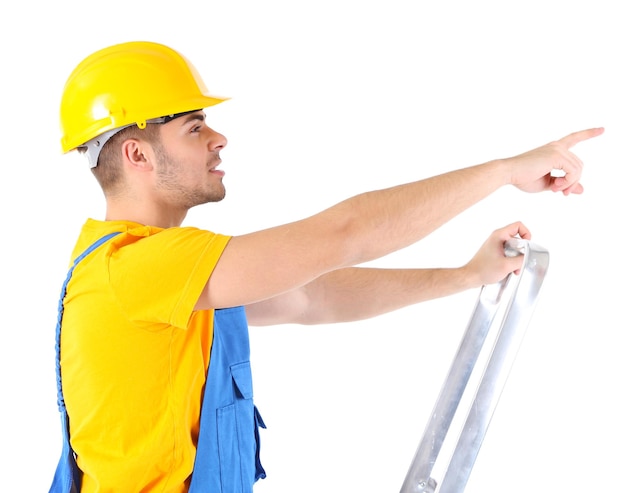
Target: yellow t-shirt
[134,354]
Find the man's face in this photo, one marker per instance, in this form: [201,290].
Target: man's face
[187,160]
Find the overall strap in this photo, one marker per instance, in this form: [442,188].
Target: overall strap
[60,400]
[67,475]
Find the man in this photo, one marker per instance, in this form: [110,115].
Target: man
[154,380]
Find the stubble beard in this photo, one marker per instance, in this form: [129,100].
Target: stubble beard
[168,173]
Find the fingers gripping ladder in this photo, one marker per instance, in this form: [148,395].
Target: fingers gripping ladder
[522,298]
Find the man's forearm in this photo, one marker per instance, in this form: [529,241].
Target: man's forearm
[387,220]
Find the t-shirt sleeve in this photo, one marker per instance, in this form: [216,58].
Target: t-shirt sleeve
[157,279]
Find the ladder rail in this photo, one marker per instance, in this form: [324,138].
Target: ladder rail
[443,413]
[519,309]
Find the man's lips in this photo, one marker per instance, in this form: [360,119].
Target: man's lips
[216,171]
[213,169]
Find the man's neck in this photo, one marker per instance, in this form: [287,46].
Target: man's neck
[150,215]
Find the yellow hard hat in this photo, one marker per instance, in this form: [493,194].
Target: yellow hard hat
[125,84]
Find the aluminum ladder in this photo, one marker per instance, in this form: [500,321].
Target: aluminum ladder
[521,292]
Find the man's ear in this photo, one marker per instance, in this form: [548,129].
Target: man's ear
[138,154]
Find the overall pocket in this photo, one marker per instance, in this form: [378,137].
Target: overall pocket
[238,436]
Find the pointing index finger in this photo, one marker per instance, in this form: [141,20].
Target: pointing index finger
[574,138]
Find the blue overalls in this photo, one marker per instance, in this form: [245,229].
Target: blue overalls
[227,458]
[227,455]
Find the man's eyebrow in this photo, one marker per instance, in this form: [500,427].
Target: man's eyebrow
[194,116]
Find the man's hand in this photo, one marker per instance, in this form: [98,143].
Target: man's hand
[552,166]
[490,265]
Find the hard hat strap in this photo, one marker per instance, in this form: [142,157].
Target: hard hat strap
[93,147]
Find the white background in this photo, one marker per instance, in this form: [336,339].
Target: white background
[329,99]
